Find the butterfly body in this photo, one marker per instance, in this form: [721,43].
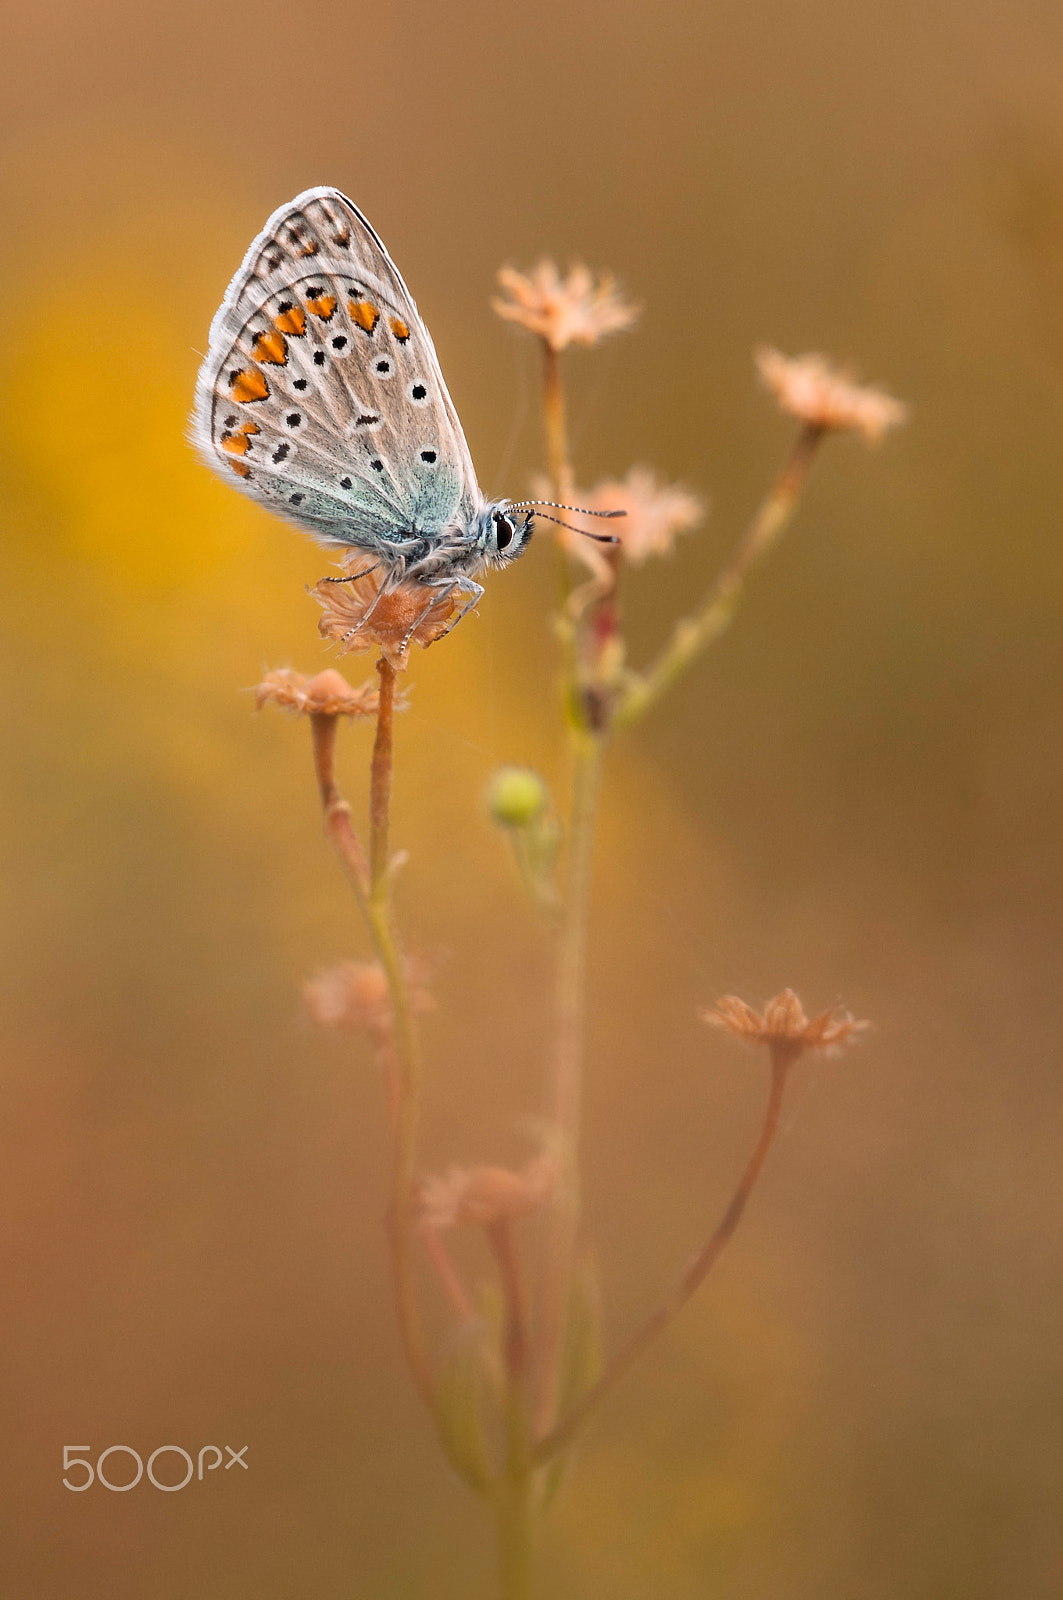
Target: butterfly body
[321,397]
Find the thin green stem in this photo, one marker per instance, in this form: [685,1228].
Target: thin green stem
[694,634]
[513,1503]
[515,1336]
[688,1281]
[568,1069]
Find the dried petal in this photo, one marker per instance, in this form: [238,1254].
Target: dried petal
[784,1026]
[328,694]
[656,512]
[809,388]
[354,996]
[484,1195]
[362,616]
[563,311]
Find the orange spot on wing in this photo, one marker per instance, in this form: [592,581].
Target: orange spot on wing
[241,467]
[310,248]
[248,385]
[323,305]
[292,321]
[399,329]
[270,346]
[364,314]
[239,443]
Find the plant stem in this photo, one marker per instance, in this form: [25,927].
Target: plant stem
[371,882]
[560,468]
[514,1489]
[514,1508]
[693,634]
[688,1281]
[568,1068]
[380,782]
[337,812]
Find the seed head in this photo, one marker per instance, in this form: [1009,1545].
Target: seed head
[328,694]
[484,1195]
[809,388]
[656,512]
[360,616]
[563,311]
[353,996]
[784,1028]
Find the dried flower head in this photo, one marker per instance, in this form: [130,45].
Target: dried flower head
[784,1028]
[563,311]
[485,1195]
[656,512]
[353,996]
[363,616]
[809,388]
[328,694]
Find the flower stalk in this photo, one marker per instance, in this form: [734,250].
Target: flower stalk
[515,1487]
[557,457]
[540,1371]
[692,635]
[371,881]
[690,1279]
[570,1008]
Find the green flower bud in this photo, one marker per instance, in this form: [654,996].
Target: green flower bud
[517,797]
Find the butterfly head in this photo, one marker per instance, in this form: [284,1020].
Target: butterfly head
[503,533]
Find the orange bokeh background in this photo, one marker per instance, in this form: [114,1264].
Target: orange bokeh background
[857,794]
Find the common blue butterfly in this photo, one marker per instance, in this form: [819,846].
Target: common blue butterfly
[321,398]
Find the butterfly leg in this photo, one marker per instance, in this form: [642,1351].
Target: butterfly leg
[353,577]
[443,591]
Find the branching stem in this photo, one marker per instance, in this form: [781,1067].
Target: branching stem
[693,634]
[688,1281]
[371,882]
[568,1069]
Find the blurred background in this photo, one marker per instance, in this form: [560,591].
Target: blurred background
[857,794]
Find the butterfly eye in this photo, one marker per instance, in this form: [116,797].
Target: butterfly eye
[503,531]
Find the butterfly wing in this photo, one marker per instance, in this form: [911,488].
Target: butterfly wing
[321,395]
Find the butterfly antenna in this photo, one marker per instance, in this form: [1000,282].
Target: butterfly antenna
[581,511]
[556,505]
[599,538]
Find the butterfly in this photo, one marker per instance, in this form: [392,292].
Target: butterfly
[321,397]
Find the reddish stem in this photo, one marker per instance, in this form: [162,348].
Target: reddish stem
[689,1280]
